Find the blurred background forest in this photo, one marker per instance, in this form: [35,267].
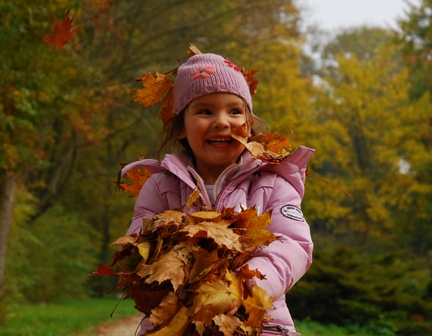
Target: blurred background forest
[67,122]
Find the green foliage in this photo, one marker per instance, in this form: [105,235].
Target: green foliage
[415,39]
[383,293]
[76,317]
[49,259]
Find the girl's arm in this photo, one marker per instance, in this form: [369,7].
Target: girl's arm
[288,258]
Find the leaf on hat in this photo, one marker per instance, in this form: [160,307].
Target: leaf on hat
[62,32]
[154,89]
[252,83]
[166,110]
[193,50]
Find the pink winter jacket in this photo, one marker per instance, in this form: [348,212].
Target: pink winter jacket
[251,182]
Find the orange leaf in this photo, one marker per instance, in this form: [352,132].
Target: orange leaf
[154,89]
[257,305]
[138,177]
[166,110]
[62,32]
[249,76]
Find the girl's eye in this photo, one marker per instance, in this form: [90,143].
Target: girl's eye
[206,112]
[235,111]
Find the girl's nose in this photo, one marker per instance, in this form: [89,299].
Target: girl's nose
[221,121]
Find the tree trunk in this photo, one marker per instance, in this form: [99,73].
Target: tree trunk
[7,196]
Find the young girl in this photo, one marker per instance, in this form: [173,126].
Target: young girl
[211,96]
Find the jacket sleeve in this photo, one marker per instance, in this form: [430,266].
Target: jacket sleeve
[287,259]
[156,196]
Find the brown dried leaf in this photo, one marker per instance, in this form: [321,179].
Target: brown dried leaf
[133,240]
[167,309]
[168,267]
[154,89]
[218,231]
[227,324]
[177,326]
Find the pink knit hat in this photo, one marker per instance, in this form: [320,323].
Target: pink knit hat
[208,73]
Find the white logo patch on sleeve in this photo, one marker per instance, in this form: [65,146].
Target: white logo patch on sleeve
[292,212]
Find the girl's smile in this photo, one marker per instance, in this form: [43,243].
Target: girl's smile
[208,122]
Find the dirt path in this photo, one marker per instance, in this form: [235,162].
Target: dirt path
[125,327]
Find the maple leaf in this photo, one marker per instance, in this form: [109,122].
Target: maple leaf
[166,110]
[138,178]
[227,324]
[166,310]
[203,263]
[249,76]
[257,305]
[213,298]
[218,231]
[154,89]
[62,32]
[133,240]
[176,326]
[248,274]
[105,270]
[168,267]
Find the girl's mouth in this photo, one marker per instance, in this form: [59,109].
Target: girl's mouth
[221,141]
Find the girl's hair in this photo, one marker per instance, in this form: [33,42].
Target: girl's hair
[175,126]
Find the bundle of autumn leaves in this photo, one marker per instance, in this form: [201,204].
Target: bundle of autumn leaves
[187,272]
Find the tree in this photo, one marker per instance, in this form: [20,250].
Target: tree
[360,132]
[415,40]
[47,109]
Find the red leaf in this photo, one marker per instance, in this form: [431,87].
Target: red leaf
[105,270]
[62,32]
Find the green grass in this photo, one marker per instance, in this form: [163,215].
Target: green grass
[309,328]
[77,317]
[81,317]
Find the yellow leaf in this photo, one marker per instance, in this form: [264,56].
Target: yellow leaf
[177,325]
[194,196]
[144,250]
[212,298]
[206,215]
[257,305]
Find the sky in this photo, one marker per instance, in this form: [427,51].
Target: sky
[337,14]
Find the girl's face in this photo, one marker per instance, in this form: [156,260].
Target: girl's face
[207,127]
